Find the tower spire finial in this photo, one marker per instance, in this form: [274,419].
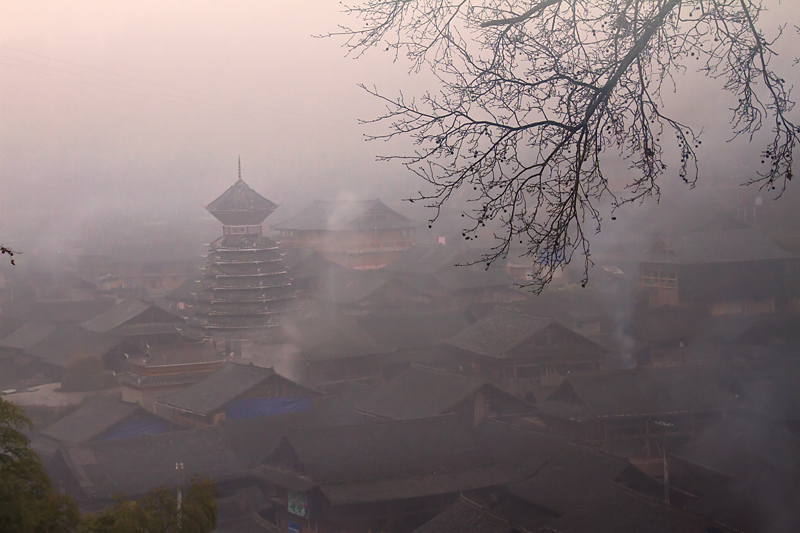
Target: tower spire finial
[240,167]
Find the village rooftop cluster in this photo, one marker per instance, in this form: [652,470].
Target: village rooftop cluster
[342,369]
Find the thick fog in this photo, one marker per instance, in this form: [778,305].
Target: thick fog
[140,109]
[356,369]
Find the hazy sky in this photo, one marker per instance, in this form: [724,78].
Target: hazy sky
[138,104]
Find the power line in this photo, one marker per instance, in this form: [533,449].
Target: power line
[141,80]
[193,103]
[274,113]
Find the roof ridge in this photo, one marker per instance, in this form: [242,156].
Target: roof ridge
[428,420]
[479,507]
[440,371]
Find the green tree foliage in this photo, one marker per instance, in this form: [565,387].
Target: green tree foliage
[158,512]
[533,97]
[27,500]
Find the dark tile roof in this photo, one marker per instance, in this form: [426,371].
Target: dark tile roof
[467,516]
[135,466]
[570,479]
[433,260]
[734,447]
[463,279]
[772,388]
[239,198]
[283,476]
[520,452]
[93,417]
[424,284]
[670,323]
[564,305]
[616,511]
[252,439]
[70,310]
[394,460]
[714,246]
[218,388]
[642,392]
[498,332]
[165,380]
[413,486]
[349,286]
[117,316]
[420,392]
[45,447]
[528,518]
[419,329]
[185,353]
[347,215]
[760,499]
[306,263]
[27,335]
[336,337]
[442,268]
[68,342]
[155,328]
[185,291]
[387,449]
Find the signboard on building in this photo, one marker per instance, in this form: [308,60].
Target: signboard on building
[298,504]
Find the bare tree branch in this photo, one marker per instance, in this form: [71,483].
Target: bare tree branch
[4,250]
[531,95]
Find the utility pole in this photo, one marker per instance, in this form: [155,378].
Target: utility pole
[179,468]
[666,477]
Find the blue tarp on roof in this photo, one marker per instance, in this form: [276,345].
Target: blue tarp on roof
[134,428]
[255,407]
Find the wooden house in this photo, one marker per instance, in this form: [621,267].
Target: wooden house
[522,351]
[728,271]
[617,509]
[182,298]
[685,336]
[97,419]
[349,291]
[418,335]
[154,267]
[569,480]
[391,476]
[583,311]
[772,392]
[94,473]
[422,392]
[234,391]
[329,351]
[445,278]
[364,235]
[139,322]
[39,351]
[637,412]
[73,311]
[166,369]
[732,467]
[556,495]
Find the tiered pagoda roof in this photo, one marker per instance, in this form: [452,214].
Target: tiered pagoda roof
[240,205]
[245,286]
